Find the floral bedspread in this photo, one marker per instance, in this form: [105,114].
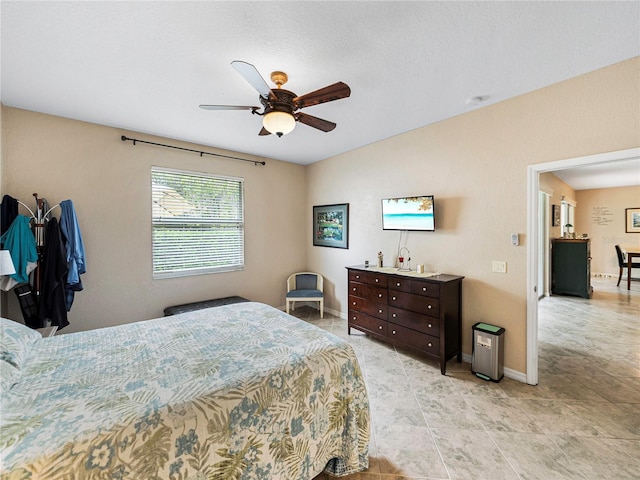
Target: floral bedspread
[241,391]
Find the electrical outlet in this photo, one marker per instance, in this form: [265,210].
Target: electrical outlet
[499,266]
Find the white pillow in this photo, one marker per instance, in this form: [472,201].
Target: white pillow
[16,340]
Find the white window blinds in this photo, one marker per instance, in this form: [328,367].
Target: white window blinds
[197,223]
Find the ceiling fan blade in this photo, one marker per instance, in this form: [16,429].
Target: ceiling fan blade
[228,107]
[251,75]
[264,132]
[315,122]
[327,94]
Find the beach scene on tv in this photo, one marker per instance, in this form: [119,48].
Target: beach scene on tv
[408,213]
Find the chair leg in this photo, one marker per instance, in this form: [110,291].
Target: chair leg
[287,306]
[321,308]
[620,277]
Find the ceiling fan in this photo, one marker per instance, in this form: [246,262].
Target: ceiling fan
[280,107]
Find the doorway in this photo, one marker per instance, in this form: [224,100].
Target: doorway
[533,246]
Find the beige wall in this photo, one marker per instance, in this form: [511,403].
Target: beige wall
[109,182]
[601,214]
[558,190]
[476,166]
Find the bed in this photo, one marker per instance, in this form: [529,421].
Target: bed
[241,391]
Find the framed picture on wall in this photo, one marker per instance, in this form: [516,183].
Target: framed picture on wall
[632,222]
[555,215]
[331,225]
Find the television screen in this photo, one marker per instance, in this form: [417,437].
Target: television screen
[408,213]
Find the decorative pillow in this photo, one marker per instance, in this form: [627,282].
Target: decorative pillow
[16,340]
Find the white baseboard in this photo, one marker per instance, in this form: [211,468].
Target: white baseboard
[335,313]
[606,275]
[330,311]
[515,375]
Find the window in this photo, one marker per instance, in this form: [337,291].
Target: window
[197,223]
[567,214]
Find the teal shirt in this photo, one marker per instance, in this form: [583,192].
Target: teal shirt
[21,243]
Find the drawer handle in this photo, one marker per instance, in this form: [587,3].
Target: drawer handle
[429,307]
[394,332]
[354,289]
[354,318]
[429,344]
[429,325]
[379,295]
[354,303]
[393,298]
[393,315]
[377,280]
[424,289]
[357,276]
[379,310]
[379,327]
[397,284]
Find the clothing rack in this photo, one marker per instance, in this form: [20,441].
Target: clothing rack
[39,218]
[50,259]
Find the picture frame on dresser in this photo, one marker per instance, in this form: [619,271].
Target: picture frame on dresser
[632,220]
[331,225]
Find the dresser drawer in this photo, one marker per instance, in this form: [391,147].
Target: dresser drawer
[365,322]
[411,338]
[415,303]
[400,283]
[378,310]
[368,292]
[370,278]
[425,288]
[415,321]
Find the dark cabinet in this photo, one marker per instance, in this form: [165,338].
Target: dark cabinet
[571,267]
[417,312]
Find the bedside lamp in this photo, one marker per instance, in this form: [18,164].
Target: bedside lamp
[6,263]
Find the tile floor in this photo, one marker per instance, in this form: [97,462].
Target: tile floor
[581,422]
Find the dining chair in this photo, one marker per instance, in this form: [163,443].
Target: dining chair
[622,263]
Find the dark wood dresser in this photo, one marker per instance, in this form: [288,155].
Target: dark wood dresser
[411,310]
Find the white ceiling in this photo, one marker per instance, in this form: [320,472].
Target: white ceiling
[621,173]
[146,66]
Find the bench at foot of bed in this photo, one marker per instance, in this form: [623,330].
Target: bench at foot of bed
[190,307]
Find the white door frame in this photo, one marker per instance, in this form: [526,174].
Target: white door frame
[543,263]
[533,186]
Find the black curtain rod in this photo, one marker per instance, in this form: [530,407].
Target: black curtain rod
[134,140]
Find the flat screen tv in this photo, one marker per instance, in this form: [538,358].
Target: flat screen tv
[409,213]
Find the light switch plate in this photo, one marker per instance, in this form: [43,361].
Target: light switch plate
[499,266]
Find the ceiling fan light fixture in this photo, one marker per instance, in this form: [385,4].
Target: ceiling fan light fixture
[279,123]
